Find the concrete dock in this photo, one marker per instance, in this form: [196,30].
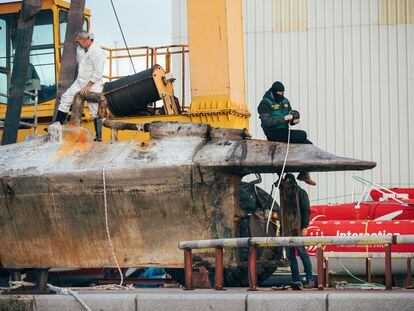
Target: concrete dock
[228,300]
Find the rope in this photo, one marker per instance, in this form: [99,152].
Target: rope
[106,205]
[334,197]
[366,231]
[280,179]
[364,283]
[16,284]
[123,37]
[68,291]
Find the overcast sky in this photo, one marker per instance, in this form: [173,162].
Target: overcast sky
[145,22]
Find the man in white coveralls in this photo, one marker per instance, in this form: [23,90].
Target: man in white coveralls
[91,59]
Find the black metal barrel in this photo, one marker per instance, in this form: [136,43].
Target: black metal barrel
[131,95]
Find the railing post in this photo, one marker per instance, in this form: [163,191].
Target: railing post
[183,79]
[219,269]
[409,277]
[188,269]
[110,65]
[147,58]
[368,269]
[388,268]
[168,61]
[326,272]
[153,56]
[320,267]
[252,268]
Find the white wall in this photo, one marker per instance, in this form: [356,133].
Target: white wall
[350,73]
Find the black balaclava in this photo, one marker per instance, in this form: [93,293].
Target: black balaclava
[277,87]
[290,178]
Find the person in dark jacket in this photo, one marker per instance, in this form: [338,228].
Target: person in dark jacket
[275,115]
[304,206]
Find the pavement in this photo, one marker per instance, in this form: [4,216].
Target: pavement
[233,299]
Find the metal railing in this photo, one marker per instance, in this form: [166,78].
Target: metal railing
[254,242]
[148,57]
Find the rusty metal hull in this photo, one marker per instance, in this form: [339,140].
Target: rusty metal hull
[181,185]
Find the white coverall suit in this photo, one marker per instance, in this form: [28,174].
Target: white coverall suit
[91,66]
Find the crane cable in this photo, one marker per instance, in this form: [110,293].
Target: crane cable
[123,37]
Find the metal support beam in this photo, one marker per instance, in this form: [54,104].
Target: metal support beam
[219,269]
[252,268]
[368,269]
[41,279]
[15,274]
[188,268]
[320,267]
[388,268]
[326,272]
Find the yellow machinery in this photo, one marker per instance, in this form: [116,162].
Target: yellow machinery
[216,65]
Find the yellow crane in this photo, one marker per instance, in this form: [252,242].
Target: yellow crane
[216,66]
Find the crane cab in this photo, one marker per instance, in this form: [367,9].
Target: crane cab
[45,57]
[215,94]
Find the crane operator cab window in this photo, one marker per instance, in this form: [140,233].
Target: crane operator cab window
[41,74]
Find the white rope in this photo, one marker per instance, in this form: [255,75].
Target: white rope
[280,179]
[106,206]
[364,283]
[68,291]
[16,284]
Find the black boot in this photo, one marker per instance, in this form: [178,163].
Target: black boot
[98,129]
[61,117]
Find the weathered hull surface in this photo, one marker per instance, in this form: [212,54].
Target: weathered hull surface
[181,185]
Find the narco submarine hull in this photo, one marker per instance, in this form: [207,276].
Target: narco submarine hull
[181,185]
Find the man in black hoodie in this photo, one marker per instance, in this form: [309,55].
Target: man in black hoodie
[274,111]
[298,200]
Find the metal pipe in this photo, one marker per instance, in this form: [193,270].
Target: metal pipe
[409,277]
[288,241]
[320,267]
[368,269]
[252,268]
[121,126]
[219,269]
[41,278]
[183,80]
[367,255]
[388,267]
[188,269]
[36,102]
[142,47]
[404,239]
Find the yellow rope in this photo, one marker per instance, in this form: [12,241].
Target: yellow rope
[365,233]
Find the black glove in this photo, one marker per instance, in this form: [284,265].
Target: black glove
[296,116]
